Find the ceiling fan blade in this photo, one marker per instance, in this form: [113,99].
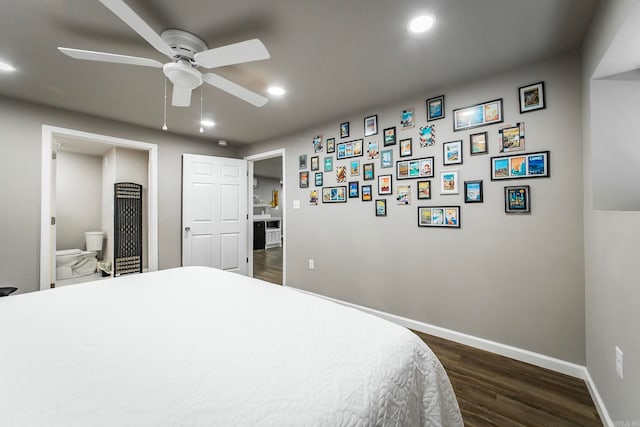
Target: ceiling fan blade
[109,57]
[181,97]
[237,53]
[124,12]
[235,89]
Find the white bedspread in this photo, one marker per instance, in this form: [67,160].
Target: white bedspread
[200,347]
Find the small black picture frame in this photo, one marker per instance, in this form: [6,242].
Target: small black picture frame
[344,130]
[473,191]
[532,97]
[516,199]
[371,125]
[435,108]
[304,179]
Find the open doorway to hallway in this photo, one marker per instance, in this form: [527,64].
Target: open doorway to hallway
[268,219]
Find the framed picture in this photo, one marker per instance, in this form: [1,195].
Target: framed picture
[302,161]
[349,149]
[424,190]
[366,193]
[532,97]
[367,171]
[344,130]
[478,143]
[334,194]
[439,216]
[511,138]
[304,179]
[405,147]
[371,125]
[473,191]
[313,198]
[354,189]
[381,207]
[331,145]
[427,136]
[341,174]
[516,199]
[390,136]
[449,182]
[386,159]
[404,195]
[328,163]
[478,115]
[317,143]
[435,108]
[525,165]
[354,168]
[414,168]
[452,153]
[319,179]
[384,185]
[407,121]
[315,163]
[372,150]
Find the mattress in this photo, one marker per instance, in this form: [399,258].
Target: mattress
[196,346]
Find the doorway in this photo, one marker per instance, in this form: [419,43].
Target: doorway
[267,216]
[86,143]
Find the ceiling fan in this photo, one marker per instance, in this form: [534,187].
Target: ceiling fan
[188,52]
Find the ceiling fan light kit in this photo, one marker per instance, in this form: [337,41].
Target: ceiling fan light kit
[187,52]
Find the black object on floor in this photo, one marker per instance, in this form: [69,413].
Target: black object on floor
[7,291]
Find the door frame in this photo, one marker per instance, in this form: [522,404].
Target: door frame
[250,159]
[47,190]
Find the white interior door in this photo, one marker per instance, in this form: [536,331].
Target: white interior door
[214,212]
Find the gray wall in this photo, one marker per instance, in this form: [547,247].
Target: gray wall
[612,238]
[264,191]
[20,170]
[517,280]
[78,198]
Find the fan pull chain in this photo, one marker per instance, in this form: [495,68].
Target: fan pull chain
[201,108]
[164,126]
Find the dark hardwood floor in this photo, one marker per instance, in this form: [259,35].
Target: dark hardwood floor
[267,265]
[493,390]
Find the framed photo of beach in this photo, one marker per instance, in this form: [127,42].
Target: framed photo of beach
[523,165]
[439,216]
[435,108]
[477,115]
[415,168]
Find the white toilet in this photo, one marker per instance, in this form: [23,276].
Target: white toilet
[72,263]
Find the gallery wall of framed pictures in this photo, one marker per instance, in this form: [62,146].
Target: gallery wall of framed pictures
[350,163]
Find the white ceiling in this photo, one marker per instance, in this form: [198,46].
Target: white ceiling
[335,57]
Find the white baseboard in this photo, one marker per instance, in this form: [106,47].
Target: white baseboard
[533,358]
[516,353]
[597,400]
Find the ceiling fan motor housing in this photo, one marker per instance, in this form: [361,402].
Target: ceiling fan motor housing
[182,75]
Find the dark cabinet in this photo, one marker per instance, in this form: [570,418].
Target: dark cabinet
[258,235]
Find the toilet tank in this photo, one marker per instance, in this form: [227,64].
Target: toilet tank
[94,240]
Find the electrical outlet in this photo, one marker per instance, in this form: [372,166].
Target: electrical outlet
[619,362]
[312,264]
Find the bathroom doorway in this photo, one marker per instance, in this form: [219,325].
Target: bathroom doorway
[267,217]
[79,170]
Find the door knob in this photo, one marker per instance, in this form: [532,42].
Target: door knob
[187,229]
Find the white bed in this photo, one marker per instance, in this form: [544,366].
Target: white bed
[196,346]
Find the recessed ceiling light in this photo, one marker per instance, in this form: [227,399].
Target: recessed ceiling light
[276,91]
[222,143]
[420,24]
[6,67]
[208,123]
